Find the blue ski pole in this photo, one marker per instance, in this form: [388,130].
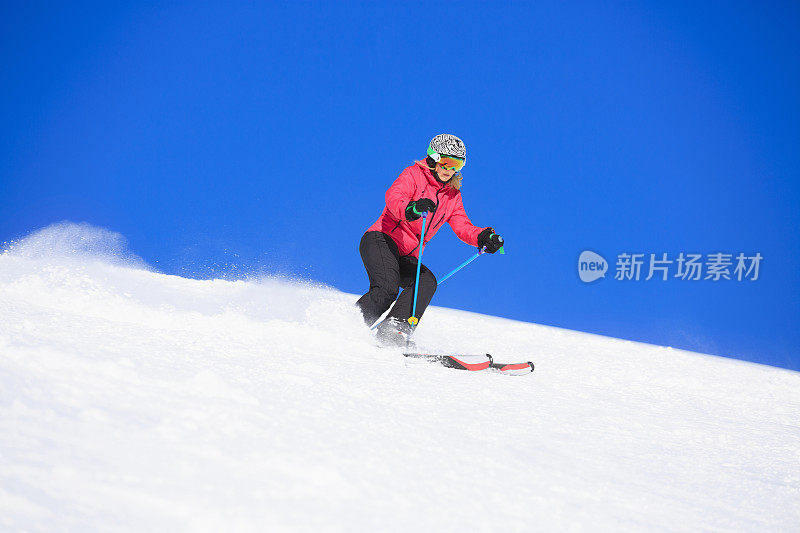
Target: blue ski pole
[465,263]
[413,320]
[462,265]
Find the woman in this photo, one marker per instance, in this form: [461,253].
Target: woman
[390,247]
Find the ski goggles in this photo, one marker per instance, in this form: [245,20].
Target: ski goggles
[451,163]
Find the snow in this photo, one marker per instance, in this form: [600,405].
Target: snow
[132,400]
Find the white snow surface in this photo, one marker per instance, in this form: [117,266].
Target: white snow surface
[136,401]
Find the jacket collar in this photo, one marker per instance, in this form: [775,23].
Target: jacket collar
[429,175]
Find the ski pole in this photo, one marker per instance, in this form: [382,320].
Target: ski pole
[413,320]
[462,265]
[468,261]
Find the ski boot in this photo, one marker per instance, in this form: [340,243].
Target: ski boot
[394,332]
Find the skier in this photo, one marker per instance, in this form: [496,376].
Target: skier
[390,247]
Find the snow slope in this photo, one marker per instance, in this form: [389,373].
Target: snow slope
[132,400]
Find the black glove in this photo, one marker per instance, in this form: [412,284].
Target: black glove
[490,240]
[417,207]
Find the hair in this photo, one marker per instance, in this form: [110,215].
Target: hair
[454,182]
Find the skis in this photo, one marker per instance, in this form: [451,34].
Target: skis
[473,363]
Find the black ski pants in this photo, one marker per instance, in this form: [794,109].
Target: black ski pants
[388,271]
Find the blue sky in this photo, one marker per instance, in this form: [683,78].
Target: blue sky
[234,138]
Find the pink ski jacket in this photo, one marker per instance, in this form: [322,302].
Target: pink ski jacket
[414,183]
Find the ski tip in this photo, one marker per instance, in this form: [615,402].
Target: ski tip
[513,369]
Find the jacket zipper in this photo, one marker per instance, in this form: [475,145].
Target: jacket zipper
[429,229]
[437,208]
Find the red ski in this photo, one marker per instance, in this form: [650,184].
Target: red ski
[473,363]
